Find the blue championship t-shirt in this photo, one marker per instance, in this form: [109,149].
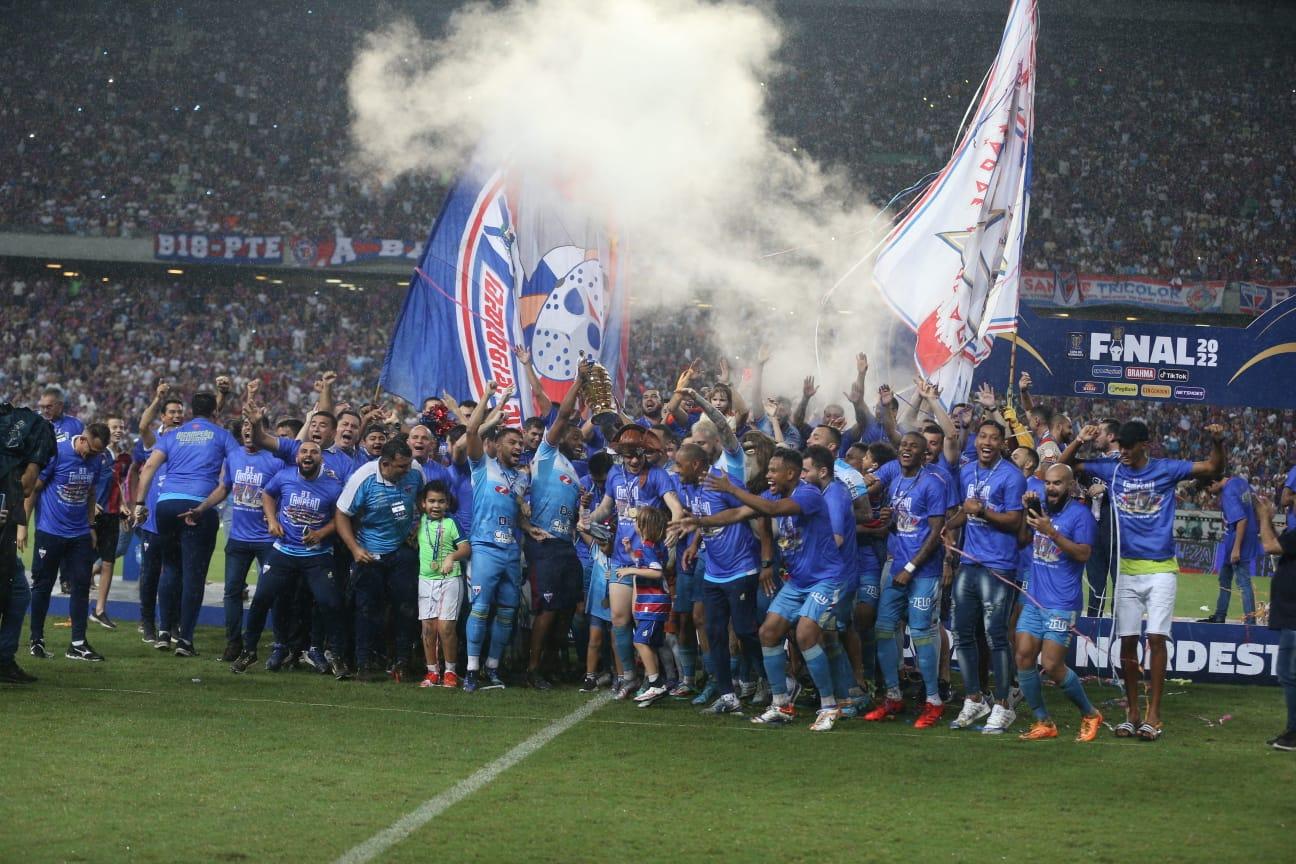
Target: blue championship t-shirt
[1000,488]
[70,482]
[805,540]
[246,474]
[913,501]
[304,505]
[1145,504]
[1055,578]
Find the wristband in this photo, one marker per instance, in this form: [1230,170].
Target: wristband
[766,565]
[910,568]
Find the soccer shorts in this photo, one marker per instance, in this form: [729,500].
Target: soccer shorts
[845,610]
[494,577]
[107,528]
[556,575]
[1151,593]
[649,632]
[870,588]
[597,604]
[440,598]
[1052,625]
[817,602]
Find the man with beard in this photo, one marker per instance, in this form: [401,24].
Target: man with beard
[171,409]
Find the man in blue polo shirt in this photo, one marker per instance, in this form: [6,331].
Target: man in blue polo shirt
[991,515]
[1060,532]
[50,406]
[1143,492]
[298,505]
[375,518]
[194,454]
[66,489]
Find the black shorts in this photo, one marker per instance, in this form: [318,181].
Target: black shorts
[555,573]
[107,528]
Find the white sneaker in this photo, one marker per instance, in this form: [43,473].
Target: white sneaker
[1000,719]
[726,704]
[652,693]
[1015,697]
[825,719]
[972,712]
[746,689]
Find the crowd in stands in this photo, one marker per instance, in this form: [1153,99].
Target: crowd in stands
[170,118]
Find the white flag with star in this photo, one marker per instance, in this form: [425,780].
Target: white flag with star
[950,268]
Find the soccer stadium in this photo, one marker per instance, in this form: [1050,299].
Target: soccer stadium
[414,411]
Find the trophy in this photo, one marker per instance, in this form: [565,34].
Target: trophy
[596,390]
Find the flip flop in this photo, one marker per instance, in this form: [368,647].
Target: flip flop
[1124,730]
[1148,732]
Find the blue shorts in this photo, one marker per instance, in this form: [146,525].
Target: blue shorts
[919,601]
[870,587]
[688,589]
[845,610]
[649,632]
[1052,625]
[495,577]
[597,605]
[817,602]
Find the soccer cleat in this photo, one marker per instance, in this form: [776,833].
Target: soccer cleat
[37,649]
[1000,719]
[83,652]
[470,681]
[1285,741]
[316,659]
[683,690]
[1015,697]
[244,661]
[102,619]
[337,666]
[726,704]
[776,715]
[233,648]
[930,715]
[650,693]
[536,681]
[762,695]
[590,684]
[746,689]
[163,641]
[885,711]
[971,713]
[1089,727]
[1040,730]
[450,679]
[493,680]
[12,673]
[278,657]
[185,649]
[825,719]
[707,695]
[431,679]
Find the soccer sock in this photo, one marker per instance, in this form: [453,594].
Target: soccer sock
[925,646]
[623,644]
[676,651]
[842,677]
[687,660]
[708,667]
[1074,691]
[775,662]
[1029,681]
[501,632]
[816,660]
[889,657]
[666,661]
[474,662]
[492,662]
[476,634]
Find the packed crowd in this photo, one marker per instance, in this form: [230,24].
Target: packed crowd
[721,546]
[153,118]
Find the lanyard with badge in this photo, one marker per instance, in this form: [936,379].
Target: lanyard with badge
[436,543]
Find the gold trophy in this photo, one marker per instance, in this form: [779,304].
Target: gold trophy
[596,390]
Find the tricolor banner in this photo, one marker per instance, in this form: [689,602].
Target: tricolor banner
[951,267]
[510,261]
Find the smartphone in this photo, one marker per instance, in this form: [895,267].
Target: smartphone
[1034,507]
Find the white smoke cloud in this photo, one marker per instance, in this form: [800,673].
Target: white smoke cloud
[656,111]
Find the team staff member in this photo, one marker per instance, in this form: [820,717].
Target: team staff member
[65,536]
[375,518]
[1060,533]
[26,447]
[112,492]
[51,406]
[1143,492]
[171,410]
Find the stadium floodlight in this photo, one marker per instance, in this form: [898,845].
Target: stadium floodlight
[53,266]
[175,271]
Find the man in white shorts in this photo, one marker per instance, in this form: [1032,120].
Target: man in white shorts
[1142,491]
[440,585]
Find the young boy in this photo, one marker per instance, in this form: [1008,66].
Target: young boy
[652,602]
[440,589]
[597,609]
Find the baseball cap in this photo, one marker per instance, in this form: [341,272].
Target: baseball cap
[1132,432]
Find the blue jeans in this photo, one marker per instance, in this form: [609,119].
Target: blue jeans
[392,579]
[281,578]
[239,555]
[74,556]
[188,550]
[979,592]
[150,575]
[731,601]
[13,612]
[1242,571]
[1287,673]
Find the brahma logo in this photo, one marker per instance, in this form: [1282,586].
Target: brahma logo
[1120,388]
[1101,371]
[1195,393]
[1140,373]
[565,480]
[1172,375]
[1090,388]
[1156,391]
[503,490]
